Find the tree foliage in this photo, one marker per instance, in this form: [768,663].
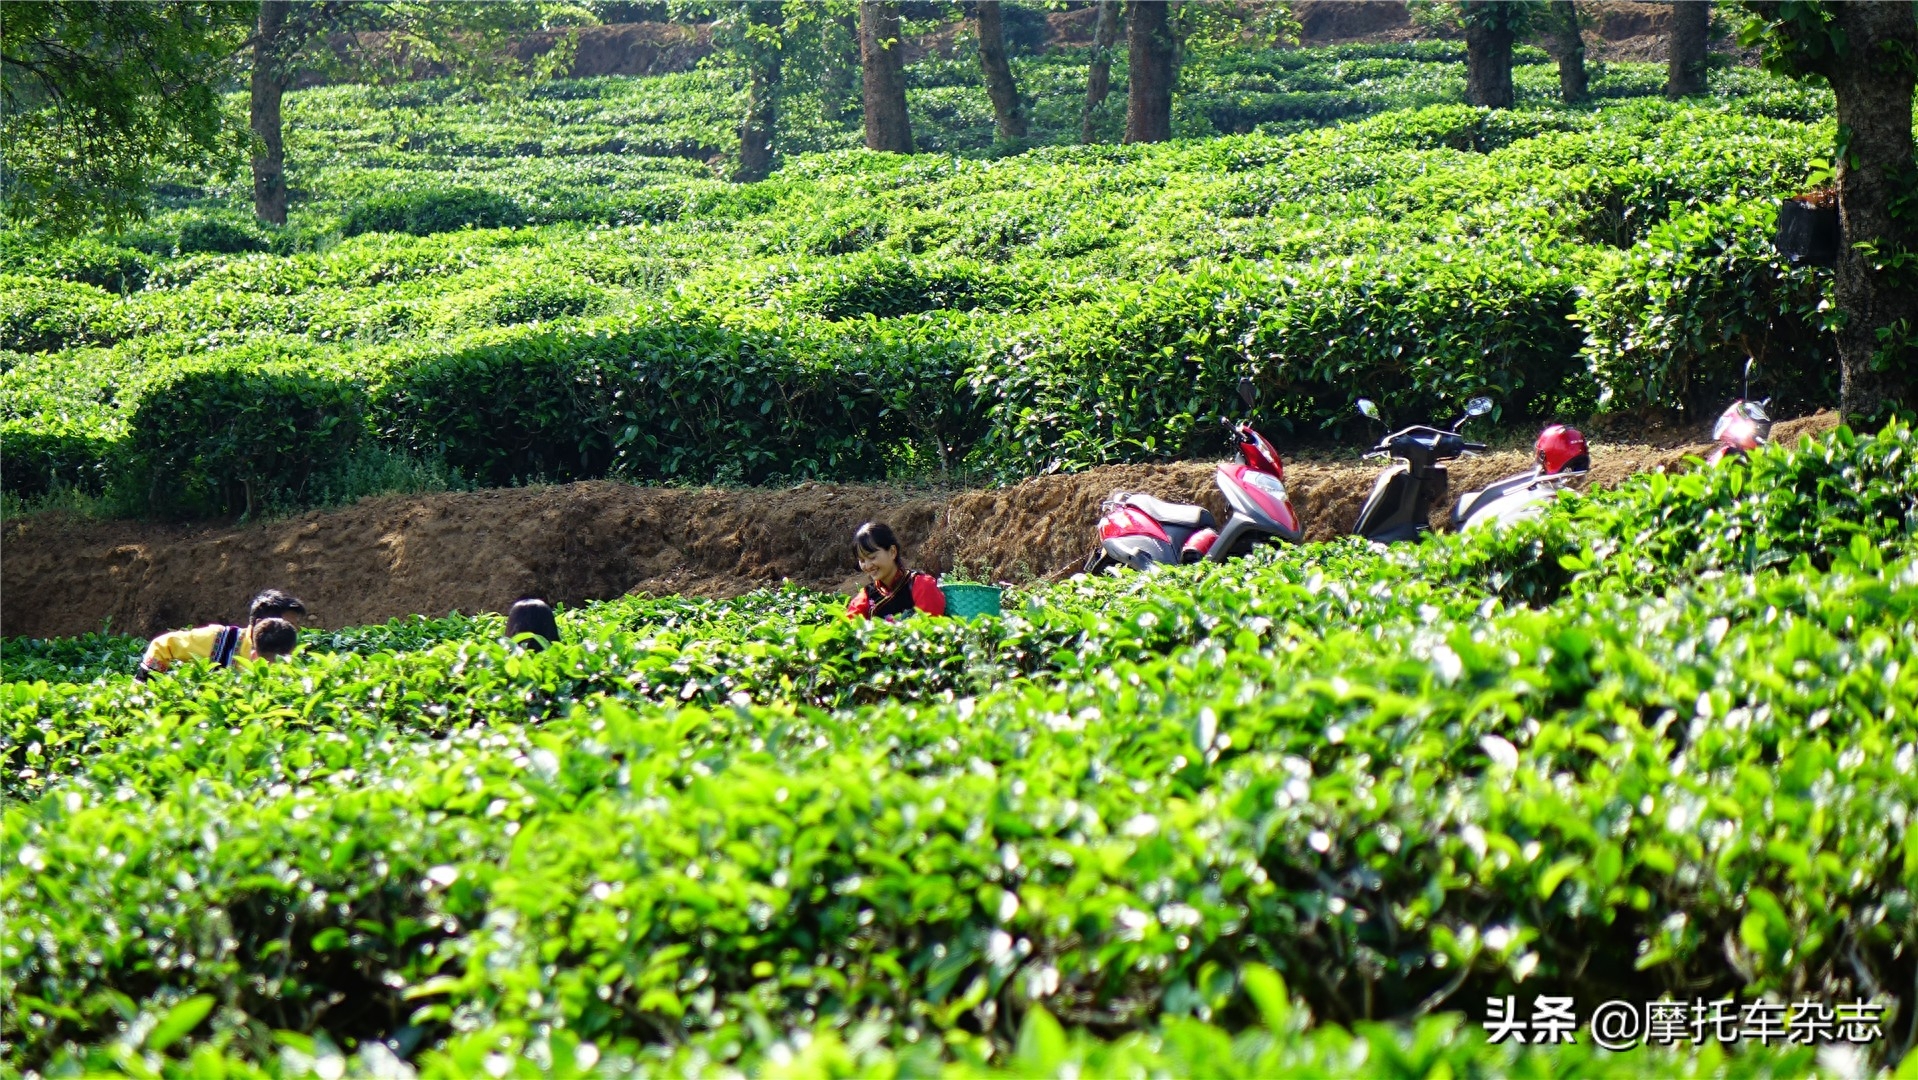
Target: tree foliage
[101,98]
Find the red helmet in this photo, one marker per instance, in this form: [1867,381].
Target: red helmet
[1561,448]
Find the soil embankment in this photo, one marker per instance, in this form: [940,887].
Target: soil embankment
[398,555]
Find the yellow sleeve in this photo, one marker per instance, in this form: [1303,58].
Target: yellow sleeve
[179,645]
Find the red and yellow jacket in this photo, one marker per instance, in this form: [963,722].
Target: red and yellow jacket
[914,590]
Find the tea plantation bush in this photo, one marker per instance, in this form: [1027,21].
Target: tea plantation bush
[423,213]
[1263,815]
[1674,318]
[221,440]
[661,395]
[460,261]
[40,314]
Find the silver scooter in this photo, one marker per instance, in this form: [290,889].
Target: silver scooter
[1515,498]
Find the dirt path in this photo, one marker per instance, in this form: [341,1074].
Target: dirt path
[62,575]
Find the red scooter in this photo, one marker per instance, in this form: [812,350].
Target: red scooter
[1743,427]
[1138,530]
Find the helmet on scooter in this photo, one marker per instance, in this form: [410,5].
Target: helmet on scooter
[1561,448]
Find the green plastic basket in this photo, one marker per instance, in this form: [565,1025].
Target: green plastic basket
[971,601]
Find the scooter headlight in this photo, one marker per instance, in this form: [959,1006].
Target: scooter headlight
[1270,485]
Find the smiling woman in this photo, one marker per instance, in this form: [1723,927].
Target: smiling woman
[894,590]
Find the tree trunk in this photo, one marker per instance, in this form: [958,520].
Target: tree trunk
[1006,106]
[1150,53]
[1099,73]
[882,65]
[762,96]
[835,73]
[1873,91]
[1691,27]
[1568,48]
[1488,61]
[269,87]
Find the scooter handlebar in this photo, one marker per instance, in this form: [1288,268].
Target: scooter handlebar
[1474,446]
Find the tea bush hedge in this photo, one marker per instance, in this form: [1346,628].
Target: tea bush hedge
[1673,320]
[660,395]
[1287,806]
[220,236]
[223,440]
[39,314]
[423,213]
[461,256]
[86,260]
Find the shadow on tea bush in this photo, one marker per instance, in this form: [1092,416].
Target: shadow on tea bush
[539,300]
[887,286]
[85,261]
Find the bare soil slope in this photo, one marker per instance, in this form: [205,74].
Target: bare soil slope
[61,574]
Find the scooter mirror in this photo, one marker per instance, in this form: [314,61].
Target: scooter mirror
[1366,407]
[1478,406]
[1745,388]
[1248,393]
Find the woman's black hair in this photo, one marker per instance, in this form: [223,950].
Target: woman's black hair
[531,615]
[273,604]
[874,536]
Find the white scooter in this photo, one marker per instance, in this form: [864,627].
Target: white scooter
[1560,458]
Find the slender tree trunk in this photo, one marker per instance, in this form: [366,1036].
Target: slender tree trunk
[1568,48]
[1007,109]
[1099,73]
[882,66]
[835,74]
[1873,91]
[1691,28]
[269,87]
[1150,55]
[1488,61]
[762,97]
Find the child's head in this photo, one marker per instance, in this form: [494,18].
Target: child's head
[274,604]
[531,615]
[877,549]
[274,638]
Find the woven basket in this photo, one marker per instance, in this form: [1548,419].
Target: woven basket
[970,601]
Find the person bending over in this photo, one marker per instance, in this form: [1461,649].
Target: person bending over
[895,590]
[531,615]
[220,643]
[227,646]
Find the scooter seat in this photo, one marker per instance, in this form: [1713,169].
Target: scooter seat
[1171,513]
